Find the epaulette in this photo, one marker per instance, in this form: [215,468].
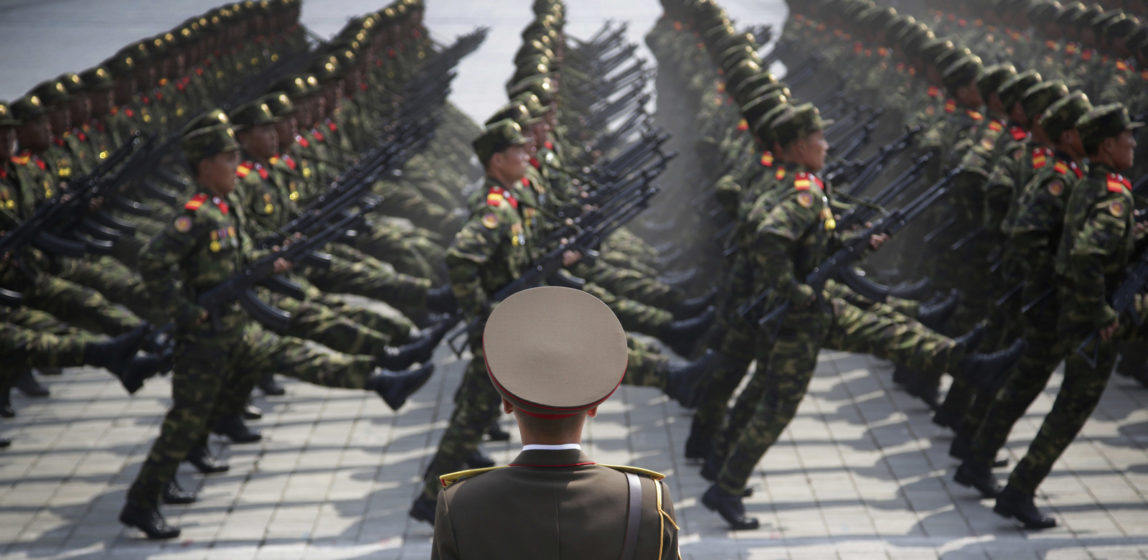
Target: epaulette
[243,170]
[635,470]
[318,136]
[976,116]
[780,173]
[21,160]
[950,105]
[1040,157]
[1086,55]
[804,180]
[742,125]
[934,91]
[332,126]
[58,141]
[996,126]
[1070,49]
[767,159]
[1121,66]
[196,202]
[549,145]
[450,478]
[1018,133]
[302,141]
[1060,167]
[496,195]
[1118,183]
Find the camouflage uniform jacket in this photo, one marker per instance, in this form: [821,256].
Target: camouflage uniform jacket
[204,244]
[491,250]
[1036,228]
[264,202]
[1097,241]
[794,237]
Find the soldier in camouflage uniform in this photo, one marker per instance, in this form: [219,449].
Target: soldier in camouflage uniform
[793,238]
[493,248]
[1097,242]
[1034,235]
[215,355]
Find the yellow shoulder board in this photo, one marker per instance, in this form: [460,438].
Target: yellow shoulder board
[636,470]
[451,478]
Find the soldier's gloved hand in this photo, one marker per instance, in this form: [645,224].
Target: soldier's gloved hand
[876,241]
[282,265]
[802,296]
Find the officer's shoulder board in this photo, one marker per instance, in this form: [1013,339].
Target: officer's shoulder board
[451,478]
[196,202]
[635,470]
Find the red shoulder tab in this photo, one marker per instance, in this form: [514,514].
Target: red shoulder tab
[1117,183]
[244,169]
[196,202]
[549,145]
[996,125]
[332,126]
[535,164]
[934,91]
[766,159]
[263,173]
[950,106]
[1040,157]
[976,116]
[802,181]
[1018,133]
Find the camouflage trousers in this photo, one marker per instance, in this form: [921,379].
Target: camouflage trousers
[403,247]
[213,374]
[629,283]
[1080,391]
[633,247]
[27,348]
[69,302]
[633,315]
[365,277]
[1045,351]
[834,324]
[402,200]
[118,283]
[311,320]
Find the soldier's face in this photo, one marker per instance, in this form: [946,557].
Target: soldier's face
[217,173]
[261,141]
[34,134]
[285,131]
[7,141]
[1123,150]
[81,108]
[810,151]
[510,164]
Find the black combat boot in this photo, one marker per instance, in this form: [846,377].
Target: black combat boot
[149,520]
[729,507]
[979,477]
[423,508]
[684,381]
[682,336]
[396,387]
[418,350]
[987,372]
[115,354]
[700,440]
[496,433]
[27,383]
[270,386]
[441,299]
[971,340]
[478,460]
[935,314]
[1011,502]
[694,306]
[173,493]
[204,462]
[235,429]
[142,367]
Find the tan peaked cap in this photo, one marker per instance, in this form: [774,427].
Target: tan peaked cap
[554,352]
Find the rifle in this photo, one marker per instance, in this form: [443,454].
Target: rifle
[853,249]
[66,210]
[890,193]
[868,170]
[546,266]
[1123,301]
[241,285]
